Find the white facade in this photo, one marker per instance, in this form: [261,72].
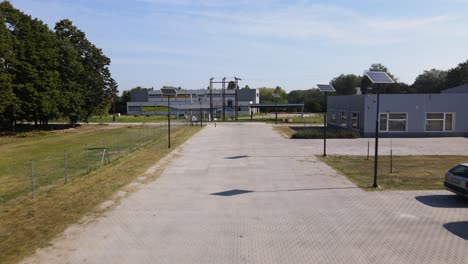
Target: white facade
[190,102]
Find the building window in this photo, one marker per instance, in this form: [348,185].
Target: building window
[392,122]
[344,119]
[355,120]
[332,117]
[439,122]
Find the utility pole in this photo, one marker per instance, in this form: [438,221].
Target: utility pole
[237,96]
[224,98]
[211,98]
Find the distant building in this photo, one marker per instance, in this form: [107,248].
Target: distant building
[403,115]
[190,102]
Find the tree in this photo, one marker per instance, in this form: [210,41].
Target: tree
[7,96]
[113,87]
[95,76]
[457,76]
[346,84]
[231,85]
[432,81]
[246,87]
[35,67]
[283,99]
[311,98]
[125,96]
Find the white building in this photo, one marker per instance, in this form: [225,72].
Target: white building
[192,102]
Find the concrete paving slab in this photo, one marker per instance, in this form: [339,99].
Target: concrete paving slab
[240,193]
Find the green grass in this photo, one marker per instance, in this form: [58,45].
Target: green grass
[32,223]
[317,132]
[47,152]
[409,172]
[264,118]
[154,108]
[128,119]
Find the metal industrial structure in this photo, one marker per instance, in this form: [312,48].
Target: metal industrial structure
[220,103]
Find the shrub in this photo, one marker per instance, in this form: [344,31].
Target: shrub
[317,132]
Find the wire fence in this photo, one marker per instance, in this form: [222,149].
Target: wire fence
[62,166]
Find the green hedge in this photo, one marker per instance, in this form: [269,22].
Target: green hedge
[317,132]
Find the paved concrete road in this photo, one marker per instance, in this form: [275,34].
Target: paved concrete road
[240,193]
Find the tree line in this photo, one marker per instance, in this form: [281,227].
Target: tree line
[430,81]
[47,74]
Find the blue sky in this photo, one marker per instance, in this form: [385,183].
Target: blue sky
[294,44]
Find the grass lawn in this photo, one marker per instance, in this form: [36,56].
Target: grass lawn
[267,118]
[409,172]
[299,132]
[30,223]
[123,118]
[83,147]
[128,119]
[286,131]
[317,132]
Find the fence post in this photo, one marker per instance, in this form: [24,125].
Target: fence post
[33,187]
[391,161]
[368,149]
[139,135]
[118,145]
[87,158]
[130,133]
[66,165]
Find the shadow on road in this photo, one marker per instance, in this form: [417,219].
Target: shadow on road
[237,157]
[443,201]
[238,192]
[459,229]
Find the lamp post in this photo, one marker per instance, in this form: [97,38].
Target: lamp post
[324,88]
[168,92]
[201,98]
[377,78]
[251,111]
[276,96]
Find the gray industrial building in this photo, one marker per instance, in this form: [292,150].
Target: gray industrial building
[403,115]
[191,102]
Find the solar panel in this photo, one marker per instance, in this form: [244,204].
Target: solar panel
[276,95]
[326,87]
[168,91]
[378,77]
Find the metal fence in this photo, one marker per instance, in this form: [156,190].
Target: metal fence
[62,166]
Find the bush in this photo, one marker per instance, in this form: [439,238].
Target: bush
[317,132]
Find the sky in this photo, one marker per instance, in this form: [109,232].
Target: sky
[294,44]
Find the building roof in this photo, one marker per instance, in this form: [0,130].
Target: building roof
[459,89]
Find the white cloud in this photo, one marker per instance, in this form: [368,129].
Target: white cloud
[322,22]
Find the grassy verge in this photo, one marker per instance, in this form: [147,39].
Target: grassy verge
[285,131]
[317,132]
[124,118]
[32,223]
[314,119]
[81,149]
[409,172]
[128,119]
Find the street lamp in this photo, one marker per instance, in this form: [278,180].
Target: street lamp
[251,111]
[325,88]
[168,92]
[377,78]
[276,96]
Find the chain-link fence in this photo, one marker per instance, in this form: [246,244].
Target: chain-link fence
[62,166]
